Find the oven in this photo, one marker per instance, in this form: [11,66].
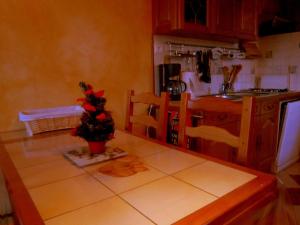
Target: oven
[288,147]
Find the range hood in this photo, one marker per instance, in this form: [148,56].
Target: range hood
[279,16]
[277,25]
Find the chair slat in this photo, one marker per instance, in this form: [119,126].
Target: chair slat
[144,119]
[159,123]
[146,98]
[214,134]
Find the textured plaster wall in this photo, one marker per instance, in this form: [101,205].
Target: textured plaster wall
[47,47]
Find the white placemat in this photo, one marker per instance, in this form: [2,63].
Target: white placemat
[82,157]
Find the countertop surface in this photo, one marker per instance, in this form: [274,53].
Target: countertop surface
[175,184]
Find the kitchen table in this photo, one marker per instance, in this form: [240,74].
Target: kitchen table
[178,187]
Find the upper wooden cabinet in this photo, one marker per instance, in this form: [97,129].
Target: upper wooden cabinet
[223,17]
[247,19]
[215,19]
[182,17]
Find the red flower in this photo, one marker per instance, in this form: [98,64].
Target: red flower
[101,116]
[89,92]
[80,100]
[99,93]
[89,107]
[74,131]
[89,86]
[111,135]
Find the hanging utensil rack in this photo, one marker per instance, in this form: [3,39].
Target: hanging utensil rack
[179,50]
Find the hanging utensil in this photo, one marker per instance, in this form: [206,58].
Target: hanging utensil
[199,61]
[206,68]
[226,73]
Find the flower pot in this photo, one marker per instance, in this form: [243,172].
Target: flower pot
[96,147]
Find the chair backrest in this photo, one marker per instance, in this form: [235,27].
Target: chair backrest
[241,142]
[159,121]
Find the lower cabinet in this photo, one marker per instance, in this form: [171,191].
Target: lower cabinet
[264,141]
[263,137]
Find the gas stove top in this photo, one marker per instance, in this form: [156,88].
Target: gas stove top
[268,90]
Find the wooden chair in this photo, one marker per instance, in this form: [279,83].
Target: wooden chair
[241,142]
[159,121]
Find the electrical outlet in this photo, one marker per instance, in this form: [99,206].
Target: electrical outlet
[292,69]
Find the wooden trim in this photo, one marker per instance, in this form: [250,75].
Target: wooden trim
[25,212]
[245,131]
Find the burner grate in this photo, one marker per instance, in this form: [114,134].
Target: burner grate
[268,90]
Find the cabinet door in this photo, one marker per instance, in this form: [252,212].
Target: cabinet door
[224,17]
[195,16]
[182,17]
[265,141]
[247,19]
[165,15]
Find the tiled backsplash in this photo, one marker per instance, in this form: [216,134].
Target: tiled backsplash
[280,65]
[245,78]
[278,68]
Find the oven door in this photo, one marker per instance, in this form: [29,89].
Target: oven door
[288,135]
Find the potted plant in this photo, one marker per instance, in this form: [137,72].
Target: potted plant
[97,125]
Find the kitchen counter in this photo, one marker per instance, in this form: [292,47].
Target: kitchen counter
[179,186]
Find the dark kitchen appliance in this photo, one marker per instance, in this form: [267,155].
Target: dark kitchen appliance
[175,88]
[169,81]
[167,72]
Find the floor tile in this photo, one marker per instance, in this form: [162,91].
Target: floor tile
[60,197]
[48,172]
[172,161]
[121,184]
[297,213]
[165,205]
[219,181]
[112,211]
[287,180]
[293,195]
[296,177]
[293,169]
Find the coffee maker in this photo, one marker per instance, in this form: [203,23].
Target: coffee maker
[169,80]
[167,72]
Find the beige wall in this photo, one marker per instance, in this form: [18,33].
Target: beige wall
[280,65]
[47,47]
